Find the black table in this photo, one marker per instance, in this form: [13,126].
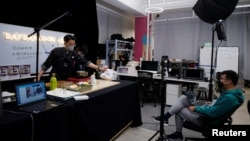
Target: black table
[100,118]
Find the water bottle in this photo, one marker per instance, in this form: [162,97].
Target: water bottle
[93,80]
[53,82]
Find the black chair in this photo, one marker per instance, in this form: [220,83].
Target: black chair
[147,86]
[205,129]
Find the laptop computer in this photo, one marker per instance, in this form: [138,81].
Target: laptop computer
[149,66]
[31,97]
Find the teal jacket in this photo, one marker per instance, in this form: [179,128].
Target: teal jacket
[227,102]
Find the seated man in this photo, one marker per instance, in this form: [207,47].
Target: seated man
[230,98]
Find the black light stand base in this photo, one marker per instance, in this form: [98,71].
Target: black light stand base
[161,132]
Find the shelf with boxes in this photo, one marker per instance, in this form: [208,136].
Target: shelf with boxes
[185,70]
[118,53]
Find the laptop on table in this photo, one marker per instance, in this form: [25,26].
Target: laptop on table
[32,97]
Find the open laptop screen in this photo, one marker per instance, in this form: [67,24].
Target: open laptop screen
[30,92]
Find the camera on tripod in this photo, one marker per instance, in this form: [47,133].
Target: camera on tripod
[165,65]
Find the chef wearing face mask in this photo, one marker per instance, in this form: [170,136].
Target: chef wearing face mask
[63,60]
[82,50]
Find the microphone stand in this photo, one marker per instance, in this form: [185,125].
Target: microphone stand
[164,69]
[37,31]
[210,91]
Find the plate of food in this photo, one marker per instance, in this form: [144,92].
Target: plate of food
[79,87]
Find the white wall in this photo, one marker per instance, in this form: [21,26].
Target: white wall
[112,22]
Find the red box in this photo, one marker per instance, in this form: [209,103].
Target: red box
[76,80]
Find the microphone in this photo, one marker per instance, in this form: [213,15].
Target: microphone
[68,14]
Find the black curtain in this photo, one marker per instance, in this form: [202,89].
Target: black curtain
[87,31]
[34,14]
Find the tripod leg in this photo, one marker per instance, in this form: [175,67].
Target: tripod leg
[153,135]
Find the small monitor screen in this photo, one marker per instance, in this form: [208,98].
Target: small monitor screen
[149,65]
[193,73]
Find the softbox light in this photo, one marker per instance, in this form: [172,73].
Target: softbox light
[211,11]
[214,12]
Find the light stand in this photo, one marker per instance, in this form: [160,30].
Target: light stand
[218,27]
[37,31]
[214,12]
[164,69]
[210,90]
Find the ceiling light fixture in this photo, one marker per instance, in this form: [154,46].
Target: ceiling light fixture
[243,6]
[154,10]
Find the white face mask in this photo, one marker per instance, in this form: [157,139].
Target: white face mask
[71,48]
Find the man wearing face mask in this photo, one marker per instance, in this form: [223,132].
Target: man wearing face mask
[63,60]
[82,50]
[230,98]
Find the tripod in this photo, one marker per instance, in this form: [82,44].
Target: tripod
[164,69]
[37,31]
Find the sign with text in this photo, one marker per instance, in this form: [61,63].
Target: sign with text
[19,49]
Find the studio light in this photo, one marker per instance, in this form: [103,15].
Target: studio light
[214,12]
[211,11]
[219,28]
